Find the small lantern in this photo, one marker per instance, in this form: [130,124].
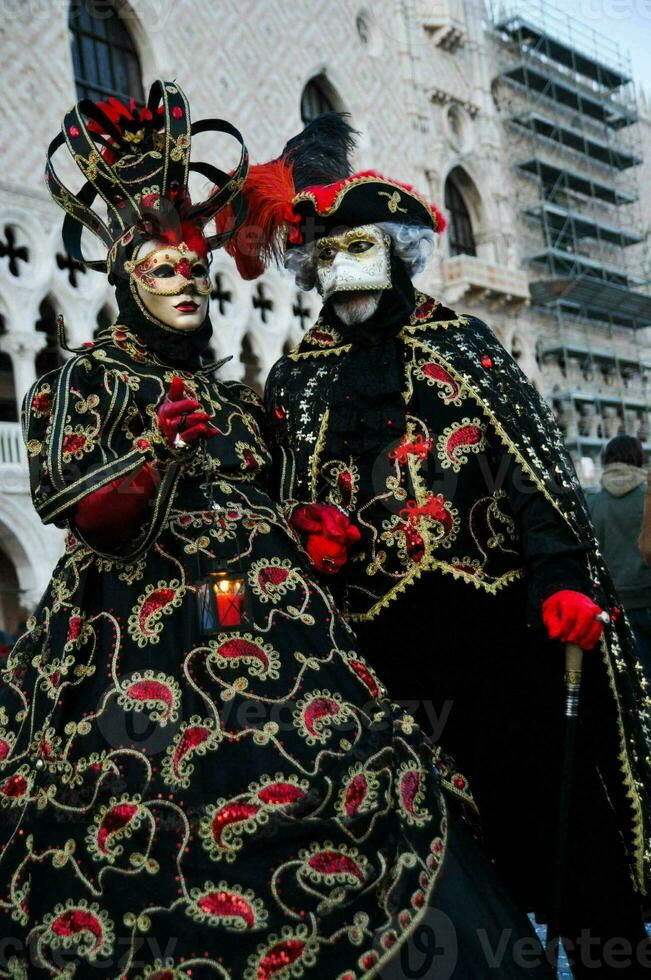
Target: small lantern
[221,602]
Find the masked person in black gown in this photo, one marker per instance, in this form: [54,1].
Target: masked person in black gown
[199,775]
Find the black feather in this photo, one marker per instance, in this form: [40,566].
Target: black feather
[321,153]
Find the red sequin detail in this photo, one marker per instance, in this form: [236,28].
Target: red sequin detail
[459,782]
[280,956]
[75,921]
[15,786]
[74,628]
[355,795]
[279,412]
[249,460]
[365,676]
[116,819]
[280,794]
[72,443]
[230,814]
[322,337]
[335,863]
[487,361]
[227,905]
[143,443]
[346,480]
[177,112]
[191,738]
[237,649]
[409,785]
[272,576]
[4,749]
[419,900]
[369,960]
[73,131]
[41,403]
[423,312]
[317,709]
[183,268]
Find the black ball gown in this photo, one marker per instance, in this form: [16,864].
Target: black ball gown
[247,805]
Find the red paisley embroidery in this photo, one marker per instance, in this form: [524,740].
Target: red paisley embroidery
[280,794]
[356,793]
[441,376]
[75,921]
[151,691]
[365,676]
[238,649]
[409,786]
[116,819]
[228,815]
[152,604]
[279,957]
[317,709]
[335,863]
[222,905]
[192,737]
[463,437]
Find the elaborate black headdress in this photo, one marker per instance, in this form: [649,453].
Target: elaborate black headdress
[138,162]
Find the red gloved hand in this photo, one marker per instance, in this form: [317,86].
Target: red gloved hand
[330,534]
[117,507]
[571,617]
[179,416]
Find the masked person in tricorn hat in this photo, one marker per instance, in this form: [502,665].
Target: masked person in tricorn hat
[477,559]
[199,776]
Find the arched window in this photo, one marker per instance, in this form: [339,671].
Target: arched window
[104,57]
[318,96]
[103,320]
[50,356]
[8,406]
[460,236]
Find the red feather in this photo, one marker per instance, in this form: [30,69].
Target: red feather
[268,191]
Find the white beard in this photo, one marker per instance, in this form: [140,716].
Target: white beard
[357,310]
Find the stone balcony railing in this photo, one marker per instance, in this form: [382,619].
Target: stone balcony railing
[12,447]
[473,278]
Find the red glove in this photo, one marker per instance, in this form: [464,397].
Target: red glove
[117,507]
[179,416]
[330,534]
[571,617]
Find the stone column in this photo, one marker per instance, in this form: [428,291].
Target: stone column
[22,348]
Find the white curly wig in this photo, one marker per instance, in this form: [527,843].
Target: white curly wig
[414,244]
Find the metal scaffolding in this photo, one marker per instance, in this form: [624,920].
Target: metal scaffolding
[568,100]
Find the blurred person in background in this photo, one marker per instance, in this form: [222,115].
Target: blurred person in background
[625,538]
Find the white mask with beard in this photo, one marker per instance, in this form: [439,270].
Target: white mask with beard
[354,268]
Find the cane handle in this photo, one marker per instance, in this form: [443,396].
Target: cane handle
[573,667]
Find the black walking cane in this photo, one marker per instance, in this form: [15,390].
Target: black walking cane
[573,669]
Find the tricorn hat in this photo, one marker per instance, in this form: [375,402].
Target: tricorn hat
[310,189]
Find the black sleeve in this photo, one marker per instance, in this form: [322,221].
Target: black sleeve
[554,558]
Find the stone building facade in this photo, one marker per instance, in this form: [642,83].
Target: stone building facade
[422,82]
